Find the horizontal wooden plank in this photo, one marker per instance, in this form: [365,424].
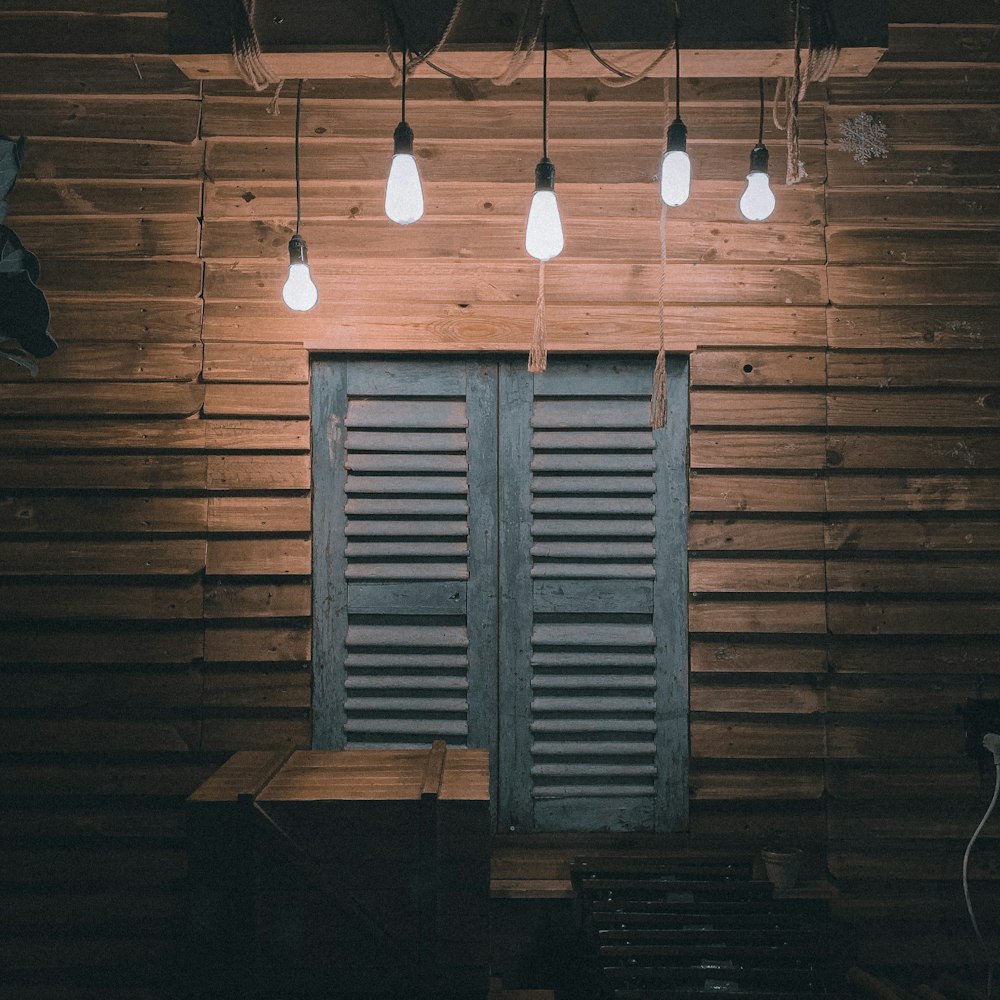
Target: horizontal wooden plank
[256,435]
[145,118]
[244,643]
[910,167]
[258,689]
[233,361]
[102,399]
[159,557]
[768,737]
[754,367]
[927,408]
[113,361]
[943,43]
[887,656]
[890,84]
[926,127]
[59,600]
[912,246]
[570,117]
[785,449]
[714,782]
[895,696]
[103,435]
[77,318]
[258,514]
[894,208]
[112,158]
[757,493]
[906,369]
[919,327]
[258,472]
[914,450]
[99,197]
[577,160]
[487,326]
[230,735]
[363,199]
[174,778]
[915,533]
[109,236]
[752,696]
[738,656]
[235,400]
[763,614]
[968,616]
[101,513]
[231,598]
[501,237]
[102,691]
[911,492]
[82,32]
[740,534]
[101,644]
[259,556]
[105,472]
[111,735]
[91,277]
[746,575]
[914,575]
[894,738]
[912,284]
[769,408]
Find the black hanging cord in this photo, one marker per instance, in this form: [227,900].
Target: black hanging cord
[298,196]
[403,70]
[545,88]
[677,58]
[760,129]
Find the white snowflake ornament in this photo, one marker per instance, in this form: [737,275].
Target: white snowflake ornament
[863,137]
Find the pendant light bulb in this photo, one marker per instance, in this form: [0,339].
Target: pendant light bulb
[675,169]
[299,291]
[404,196]
[757,200]
[543,237]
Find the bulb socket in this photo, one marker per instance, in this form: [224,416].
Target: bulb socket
[545,175]
[758,159]
[677,136]
[402,140]
[297,250]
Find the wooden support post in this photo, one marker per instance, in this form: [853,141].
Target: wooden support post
[428,871]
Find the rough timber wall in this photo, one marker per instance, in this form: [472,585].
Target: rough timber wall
[154,507]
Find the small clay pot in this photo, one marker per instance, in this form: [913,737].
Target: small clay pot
[782,866]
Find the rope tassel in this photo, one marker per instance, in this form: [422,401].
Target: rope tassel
[538,356]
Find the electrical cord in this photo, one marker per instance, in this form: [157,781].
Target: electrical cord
[992,745]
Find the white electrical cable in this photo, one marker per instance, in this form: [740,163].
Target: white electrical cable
[994,747]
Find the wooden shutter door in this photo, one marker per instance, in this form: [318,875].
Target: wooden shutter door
[593,592]
[404,585]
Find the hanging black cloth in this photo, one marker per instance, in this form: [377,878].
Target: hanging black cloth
[24,313]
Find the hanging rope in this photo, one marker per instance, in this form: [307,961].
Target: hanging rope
[658,400]
[524,44]
[247,55]
[390,17]
[622,77]
[823,49]
[538,355]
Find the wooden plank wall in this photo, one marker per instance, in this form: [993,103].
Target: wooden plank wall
[154,508]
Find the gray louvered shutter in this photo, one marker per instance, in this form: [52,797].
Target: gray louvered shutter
[593,508]
[405,582]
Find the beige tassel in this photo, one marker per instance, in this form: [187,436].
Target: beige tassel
[658,403]
[538,355]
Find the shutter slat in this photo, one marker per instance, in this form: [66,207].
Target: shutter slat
[606,659]
[595,440]
[397,682]
[407,484]
[593,550]
[588,682]
[396,462]
[568,770]
[408,571]
[598,703]
[407,635]
[591,505]
[408,507]
[545,527]
[597,748]
[450,550]
[602,571]
[397,661]
[593,634]
[581,486]
[408,727]
[591,791]
[600,414]
[589,725]
[416,704]
[401,440]
[382,414]
[591,462]
[392,529]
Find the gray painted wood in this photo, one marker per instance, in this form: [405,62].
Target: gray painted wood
[329,594]
[670,617]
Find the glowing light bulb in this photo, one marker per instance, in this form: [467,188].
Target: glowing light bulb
[757,200]
[543,238]
[675,169]
[404,197]
[299,291]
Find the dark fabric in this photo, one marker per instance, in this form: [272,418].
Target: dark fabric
[24,313]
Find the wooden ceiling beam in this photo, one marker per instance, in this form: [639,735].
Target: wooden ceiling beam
[345,39]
